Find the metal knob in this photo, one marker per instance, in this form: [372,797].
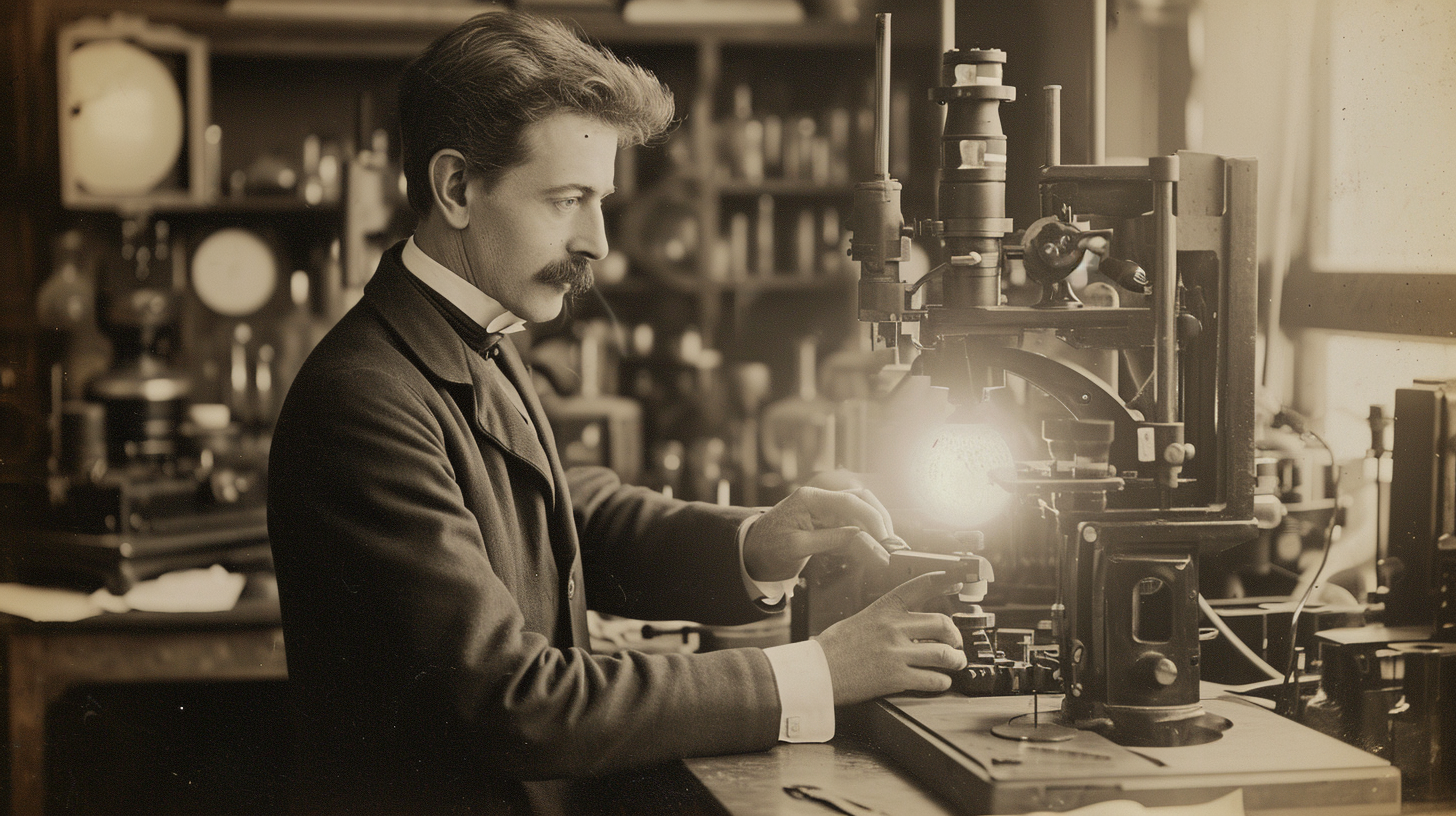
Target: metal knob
[1159,669]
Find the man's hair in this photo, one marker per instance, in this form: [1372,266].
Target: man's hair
[478,87]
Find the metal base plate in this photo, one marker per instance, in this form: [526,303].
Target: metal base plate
[1032,728]
[1282,767]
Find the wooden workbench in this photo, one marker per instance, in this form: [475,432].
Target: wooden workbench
[848,766]
[858,765]
[45,660]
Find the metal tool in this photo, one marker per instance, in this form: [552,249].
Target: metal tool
[814,793]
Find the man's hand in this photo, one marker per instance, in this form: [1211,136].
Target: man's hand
[887,647]
[831,512]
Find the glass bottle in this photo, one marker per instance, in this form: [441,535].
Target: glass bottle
[798,431]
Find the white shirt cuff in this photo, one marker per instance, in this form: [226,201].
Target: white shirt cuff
[767,592]
[806,692]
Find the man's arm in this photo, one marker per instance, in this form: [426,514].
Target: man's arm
[691,568]
[885,649]
[400,623]
[648,556]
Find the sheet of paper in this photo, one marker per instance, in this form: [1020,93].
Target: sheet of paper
[196,590]
[46,603]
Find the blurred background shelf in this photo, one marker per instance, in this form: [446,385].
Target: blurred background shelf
[729,238]
[388,30]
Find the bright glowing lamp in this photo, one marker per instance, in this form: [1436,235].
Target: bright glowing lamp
[951,469]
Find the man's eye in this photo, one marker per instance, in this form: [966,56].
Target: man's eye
[568,203]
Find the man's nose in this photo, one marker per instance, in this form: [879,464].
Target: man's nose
[590,236]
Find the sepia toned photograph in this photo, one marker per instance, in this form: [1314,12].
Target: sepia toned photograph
[728,407]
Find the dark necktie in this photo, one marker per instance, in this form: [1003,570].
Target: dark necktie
[487,345]
[475,336]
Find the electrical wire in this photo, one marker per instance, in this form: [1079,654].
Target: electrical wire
[1289,689]
[924,279]
[1239,645]
[616,325]
[1141,389]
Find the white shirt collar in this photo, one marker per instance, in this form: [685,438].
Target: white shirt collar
[477,305]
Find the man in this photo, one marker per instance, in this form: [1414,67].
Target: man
[435,562]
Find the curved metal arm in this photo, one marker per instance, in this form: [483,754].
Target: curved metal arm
[1085,397]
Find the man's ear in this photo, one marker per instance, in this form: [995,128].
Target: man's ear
[447,185]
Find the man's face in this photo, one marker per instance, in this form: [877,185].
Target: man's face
[532,236]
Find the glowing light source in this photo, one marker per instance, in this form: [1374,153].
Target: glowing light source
[951,471]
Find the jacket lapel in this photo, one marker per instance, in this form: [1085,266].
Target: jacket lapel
[565,545]
[492,414]
[515,371]
[498,417]
[443,354]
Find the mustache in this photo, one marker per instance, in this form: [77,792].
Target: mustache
[575,273]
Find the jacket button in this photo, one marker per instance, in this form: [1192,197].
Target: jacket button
[571,587]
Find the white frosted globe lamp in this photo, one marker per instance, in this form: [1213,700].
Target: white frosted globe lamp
[951,471]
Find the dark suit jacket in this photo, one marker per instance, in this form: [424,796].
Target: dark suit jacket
[434,567]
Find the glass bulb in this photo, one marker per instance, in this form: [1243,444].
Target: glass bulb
[951,469]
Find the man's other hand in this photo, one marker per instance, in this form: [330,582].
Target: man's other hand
[831,512]
[888,647]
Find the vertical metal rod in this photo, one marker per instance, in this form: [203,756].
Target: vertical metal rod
[58,398]
[1097,103]
[1164,173]
[1053,125]
[947,44]
[882,93]
[947,26]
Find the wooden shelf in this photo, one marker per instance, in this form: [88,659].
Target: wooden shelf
[783,187]
[788,282]
[374,30]
[746,285]
[256,204]
[226,206]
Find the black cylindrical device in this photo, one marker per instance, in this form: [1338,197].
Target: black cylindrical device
[973,173]
[1425,730]
[880,239]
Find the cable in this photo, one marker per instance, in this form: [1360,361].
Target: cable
[924,279]
[1289,689]
[1234,640]
[1141,389]
[616,326]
